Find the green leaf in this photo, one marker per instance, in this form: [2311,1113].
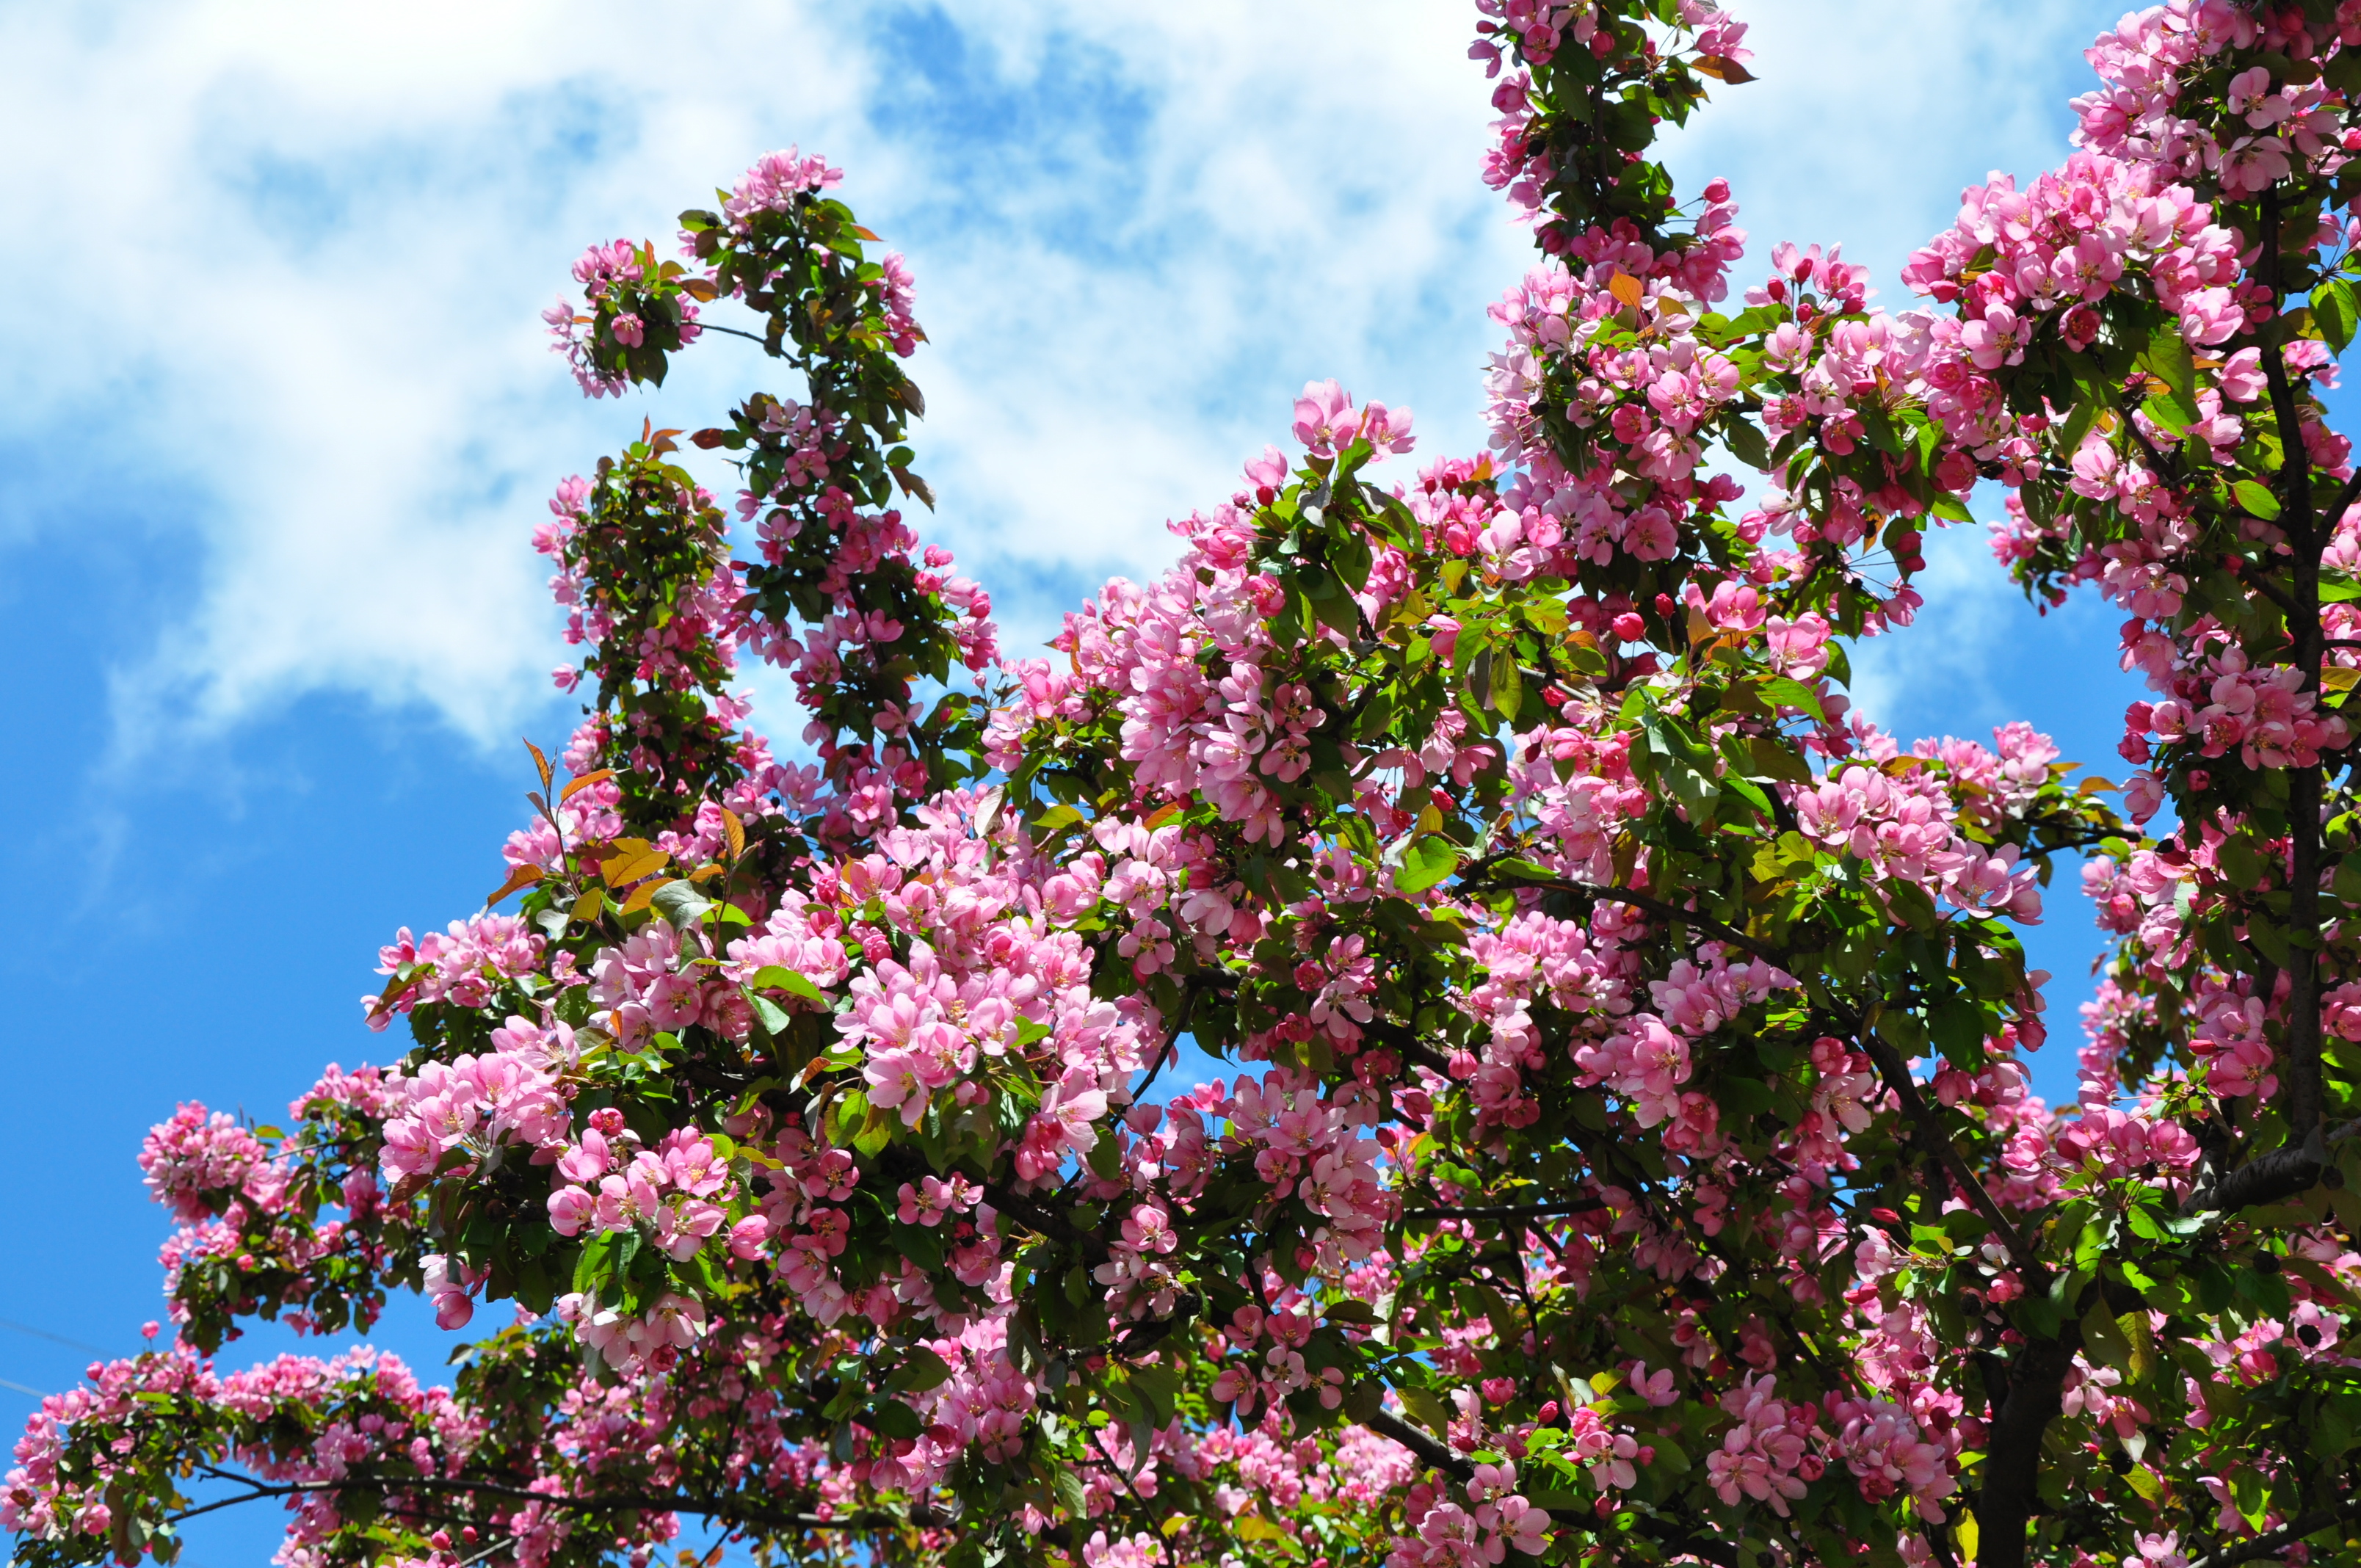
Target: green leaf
[1428,1406]
[1747,790]
[1429,858]
[680,903]
[1507,688]
[847,1113]
[773,1016]
[1057,819]
[2256,498]
[591,1268]
[2333,307]
[2342,73]
[1350,556]
[2239,861]
[1748,1095]
[2269,939]
[2167,356]
[1957,1027]
[1879,427]
[1776,758]
[2172,412]
[1788,692]
[2103,1340]
[2251,1498]
[777,977]
[1160,1385]
[1951,507]
[891,1417]
[1911,905]
[1068,1485]
[1331,604]
[1746,443]
[1479,674]
[2078,422]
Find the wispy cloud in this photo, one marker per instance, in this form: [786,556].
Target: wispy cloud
[305,246]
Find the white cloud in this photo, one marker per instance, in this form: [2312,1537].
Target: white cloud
[1865,123]
[307,245]
[1868,118]
[1935,676]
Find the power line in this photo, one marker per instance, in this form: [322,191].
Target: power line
[20,1388]
[53,1339]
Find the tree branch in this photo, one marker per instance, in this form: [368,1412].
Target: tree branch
[1043,1221]
[735,332]
[2013,1451]
[729,1509]
[2304,1097]
[2272,1541]
[2286,1171]
[1897,1074]
[1431,1452]
[2264,586]
[1508,1210]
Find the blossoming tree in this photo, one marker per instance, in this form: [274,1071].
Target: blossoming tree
[1628,1157]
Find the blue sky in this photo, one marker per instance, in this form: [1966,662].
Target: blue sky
[276,421]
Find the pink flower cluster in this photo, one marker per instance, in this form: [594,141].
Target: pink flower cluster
[1519,162]
[1903,824]
[671,1190]
[1882,1443]
[2223,703]
[1649,1059]
[1229,731]
[425,1425]
[1326,422]
[2262,133]
[514,1093]
[1652,399]
[706,615]
[195,1163]
[775,181]
[464,965]
[1611,1457]
[1498,1519]
[1772,1452]
[648,1342]
[1257,1384]
[1301,1144]
[2109,1143]
[2057,248]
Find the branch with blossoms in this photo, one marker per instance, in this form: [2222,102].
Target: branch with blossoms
[1624,1146]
